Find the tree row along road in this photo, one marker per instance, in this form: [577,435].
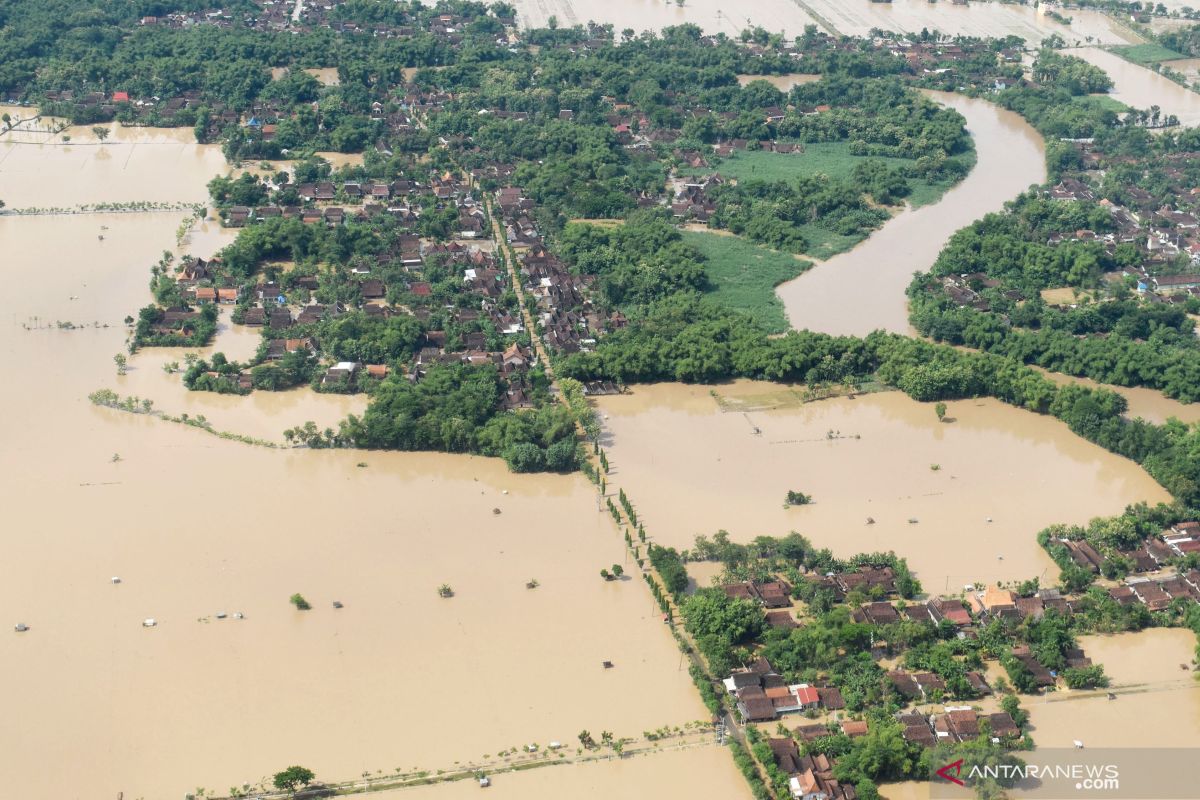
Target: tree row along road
[684,640]
[688,740]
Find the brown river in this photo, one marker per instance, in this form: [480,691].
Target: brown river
[1141,88]
[863,290]
[195,526]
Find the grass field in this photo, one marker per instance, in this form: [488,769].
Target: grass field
[1102,101]
[744,276]
[1146,53]
[828,158]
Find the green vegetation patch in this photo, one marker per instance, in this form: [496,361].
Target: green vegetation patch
[744,275]
[1146,53]
[1100,102]
[835,160]
[819,158]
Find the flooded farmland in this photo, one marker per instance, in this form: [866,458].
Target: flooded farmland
[863,290]
[199,529]
[712,16]
[860,17]
[691,468]
[847,17]
[1141,88]
[1150,686]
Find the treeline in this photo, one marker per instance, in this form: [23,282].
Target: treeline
[456,409]
[684,338]
[1120,341]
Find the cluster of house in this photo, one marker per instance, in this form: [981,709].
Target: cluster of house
[957,724]
[762,695]
[1156,554]
[966,289]
[810,777]
[1161,233]
[569,321]
[271,305]
[691,200]
[399,199]
[279,15]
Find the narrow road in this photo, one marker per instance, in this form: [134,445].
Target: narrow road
[514,274]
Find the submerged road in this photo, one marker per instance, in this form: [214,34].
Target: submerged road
[863,290]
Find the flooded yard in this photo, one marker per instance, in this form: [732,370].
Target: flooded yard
[199,530]
[864,289]
[691,468]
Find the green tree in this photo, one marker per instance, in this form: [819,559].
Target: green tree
[292,777]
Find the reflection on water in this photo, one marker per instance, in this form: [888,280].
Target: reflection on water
[692,469]
[863,290]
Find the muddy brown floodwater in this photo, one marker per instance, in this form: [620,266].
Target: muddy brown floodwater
[691,468]
[1158,699]
[1141,88]
[847,17]
[705,772]
[196,526]
[1149,404]
[864,289]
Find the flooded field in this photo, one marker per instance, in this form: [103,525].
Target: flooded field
[39,170]
[863,290]
[983,19]
[701,772]
[712,16]
[691,469]
[196,527]
[1151,688]
[1141,88]
[848,17]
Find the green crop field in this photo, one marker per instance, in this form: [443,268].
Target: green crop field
[822,158]
[1102,101]
[744,276]
[1146,53]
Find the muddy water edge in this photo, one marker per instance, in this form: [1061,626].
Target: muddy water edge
[197,527]
[864,289]
[693,465]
